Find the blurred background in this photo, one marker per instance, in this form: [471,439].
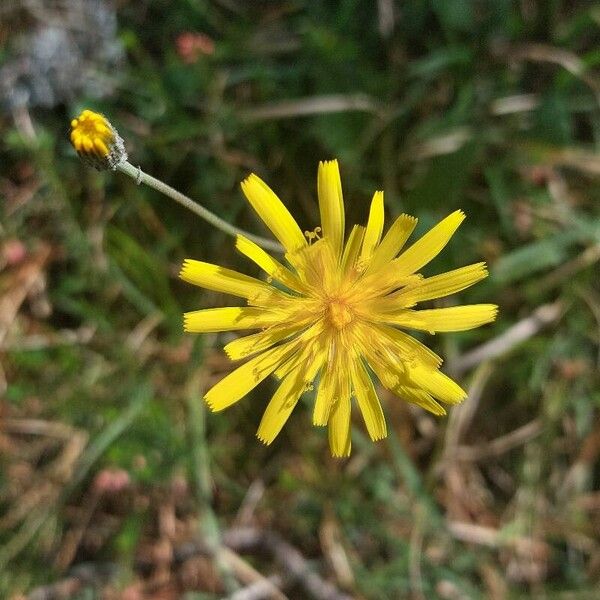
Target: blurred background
[114,480]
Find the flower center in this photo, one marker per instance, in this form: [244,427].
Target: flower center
[339,313]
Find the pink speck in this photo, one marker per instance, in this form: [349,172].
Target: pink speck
[14,252]
[191,45]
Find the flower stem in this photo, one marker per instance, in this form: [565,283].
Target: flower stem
[140,177]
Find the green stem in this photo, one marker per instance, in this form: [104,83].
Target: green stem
[140,177]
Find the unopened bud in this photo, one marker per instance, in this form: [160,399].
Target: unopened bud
[96,141]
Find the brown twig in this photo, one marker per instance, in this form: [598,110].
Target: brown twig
[248,506]
[315,105]
[245,539]
[330,537]
[580,470]
[80,577]
[259,589]
[294,564]
[22,281]
[501,444]
[227,557]
[517,103]
[462,416]
[582,261]
[385,17]
[249,576]
[517,334]
[52,339]
[545,53]
[494,538]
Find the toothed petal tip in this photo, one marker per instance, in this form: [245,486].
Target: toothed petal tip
[210,404]
[336,454]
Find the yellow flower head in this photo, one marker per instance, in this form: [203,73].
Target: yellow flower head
[337,314]
[97,141]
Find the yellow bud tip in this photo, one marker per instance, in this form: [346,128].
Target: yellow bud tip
[97,141]
[91,132]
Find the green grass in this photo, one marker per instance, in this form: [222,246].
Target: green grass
[437,130]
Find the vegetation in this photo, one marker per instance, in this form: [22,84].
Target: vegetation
[114,479]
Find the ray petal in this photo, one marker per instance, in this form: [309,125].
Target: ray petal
[374,227]
[245,347]
[438,286]
[238,383]
[454,318]
[429,246]
[392,242]
[325,397]
[339,428]
[368,401]
[273,212]
[286,397]
[280,407]
[420,398]
[231,318]
[220,279]
[352,249]
[331,204]
[267,263]
[437,384]
[399,343]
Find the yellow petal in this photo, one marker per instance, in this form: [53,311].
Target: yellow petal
[258,342]
[393,241]
[400,344]
[316,266]
[219,279]
[273,212]
[325,397]
[420,398]
[374,228]
[288,366]
[429,246]
[286,397]
[399,360]
[437,286]
[389,378]
[328,387]
[368,401]
[437,384]
[395,377]
[333,379]
[331,204]
[455,318]
[339,428]
[352,249]
[313,349]
[267,263]
[238,383]
[280,407]
[231,318]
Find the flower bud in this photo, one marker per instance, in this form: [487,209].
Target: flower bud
[96,141]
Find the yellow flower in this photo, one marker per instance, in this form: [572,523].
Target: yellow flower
[97,141]
[335,313]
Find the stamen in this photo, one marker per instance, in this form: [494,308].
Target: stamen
[313,235]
